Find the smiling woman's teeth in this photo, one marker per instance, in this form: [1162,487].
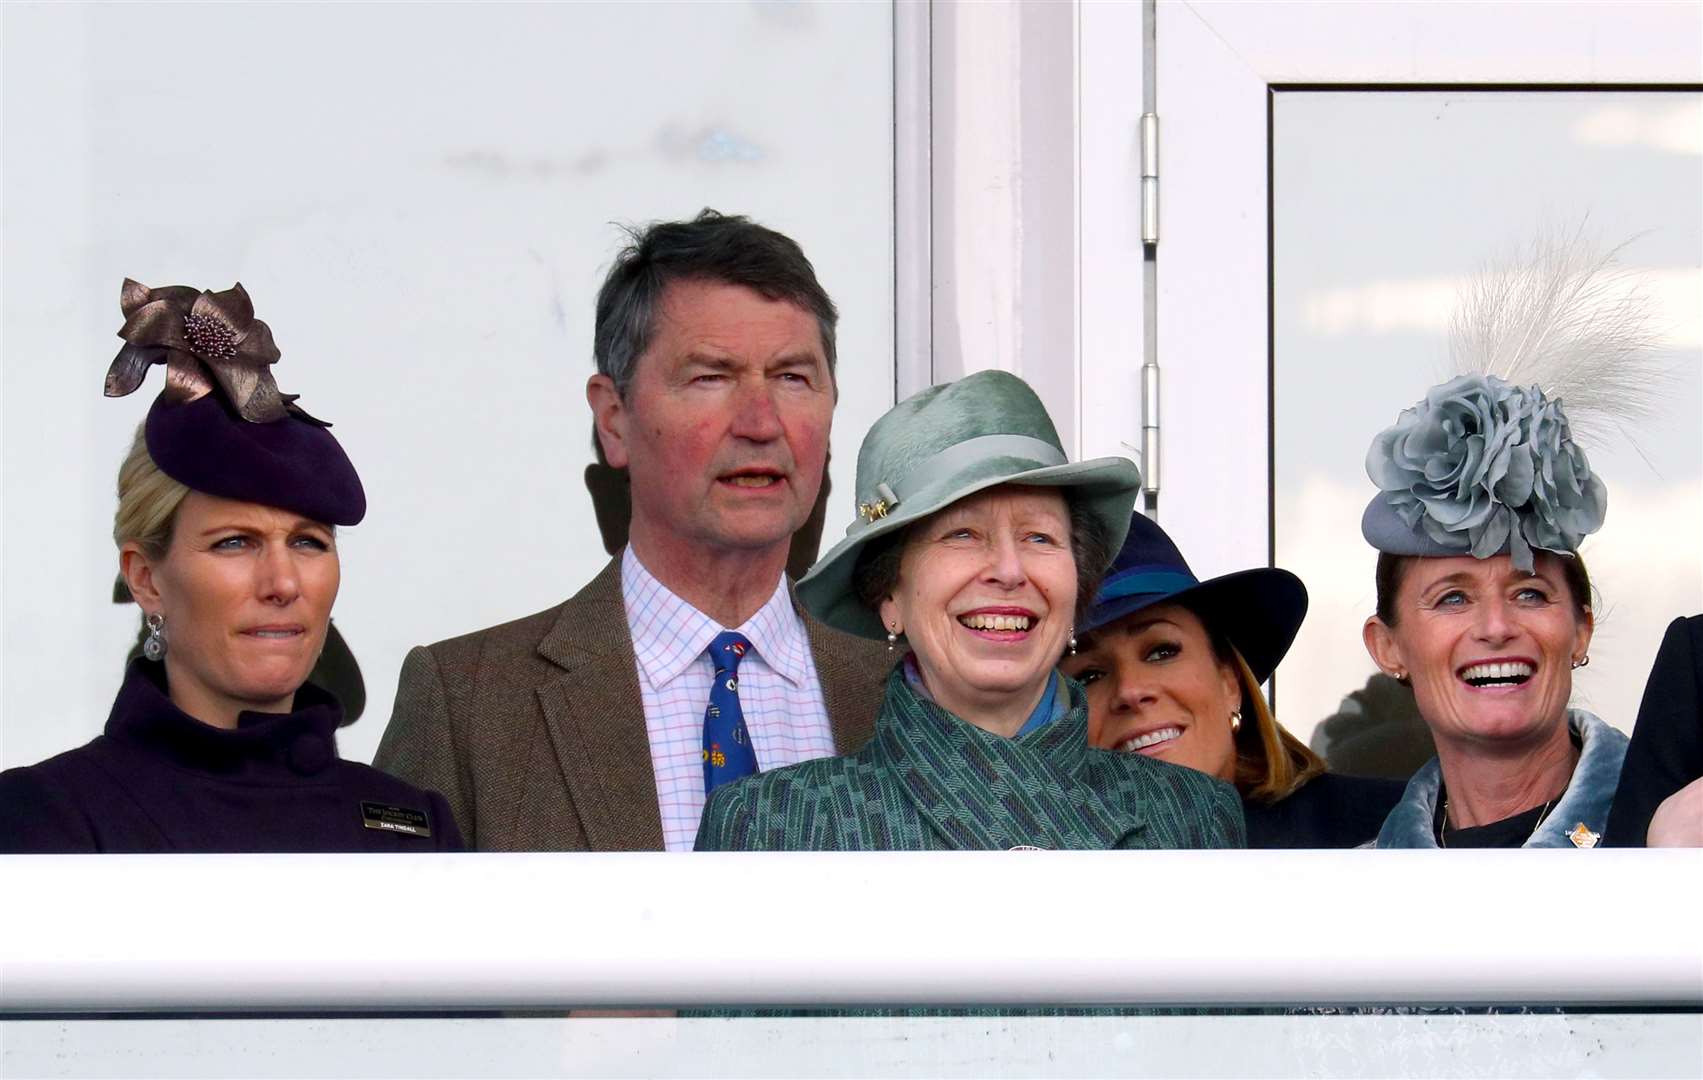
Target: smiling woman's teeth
[1515,671]
[1152,738]
[996,622]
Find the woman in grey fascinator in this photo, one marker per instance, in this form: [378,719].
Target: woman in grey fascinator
[1484,605]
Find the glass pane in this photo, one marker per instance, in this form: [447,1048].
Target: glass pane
[421,199]
[1384,202]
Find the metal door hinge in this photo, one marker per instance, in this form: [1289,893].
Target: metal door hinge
[1150,178]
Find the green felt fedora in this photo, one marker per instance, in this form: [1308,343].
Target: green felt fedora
[940,445]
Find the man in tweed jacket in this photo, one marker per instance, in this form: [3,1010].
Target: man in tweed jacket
[579,728]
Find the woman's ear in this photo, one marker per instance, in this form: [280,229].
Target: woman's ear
[1381,644]
[1587,627]
[889,610]
[1231,684]
[138,571]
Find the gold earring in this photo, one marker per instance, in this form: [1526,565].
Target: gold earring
[1235,721]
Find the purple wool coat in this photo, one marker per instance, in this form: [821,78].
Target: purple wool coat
[159,780]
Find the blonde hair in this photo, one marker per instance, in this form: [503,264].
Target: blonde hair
[1271,764]
[147,501]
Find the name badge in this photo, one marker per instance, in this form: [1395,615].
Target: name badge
[394,819]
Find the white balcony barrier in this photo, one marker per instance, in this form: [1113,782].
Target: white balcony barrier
[330,933]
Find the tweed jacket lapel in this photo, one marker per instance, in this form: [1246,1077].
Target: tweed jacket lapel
[595,718]
[982,791]
[849,670]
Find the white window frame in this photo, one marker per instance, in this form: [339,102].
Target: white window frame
[1216,66]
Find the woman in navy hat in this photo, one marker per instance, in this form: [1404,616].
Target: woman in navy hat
[1173,667]
[228,504]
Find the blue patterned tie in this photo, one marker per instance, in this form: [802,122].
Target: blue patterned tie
[728,754]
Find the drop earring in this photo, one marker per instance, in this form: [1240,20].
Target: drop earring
[892,640]
[1071,647]
[154,646]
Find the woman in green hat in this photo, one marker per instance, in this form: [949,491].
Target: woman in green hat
[975,540]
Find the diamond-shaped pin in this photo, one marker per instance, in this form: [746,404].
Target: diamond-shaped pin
[1583,837]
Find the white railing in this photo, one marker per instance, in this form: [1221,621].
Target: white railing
[328,933]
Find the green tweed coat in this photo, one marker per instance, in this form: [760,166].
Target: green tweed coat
[929,781]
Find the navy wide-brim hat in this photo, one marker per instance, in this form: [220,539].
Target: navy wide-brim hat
[1258,611]
[291,464]
[221,426]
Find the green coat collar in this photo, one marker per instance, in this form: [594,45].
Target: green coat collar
[983,791]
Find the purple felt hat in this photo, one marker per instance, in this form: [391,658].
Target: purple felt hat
[221,426]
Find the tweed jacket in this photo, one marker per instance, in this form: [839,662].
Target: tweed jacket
[535,730]
[930,781]
[1412,824]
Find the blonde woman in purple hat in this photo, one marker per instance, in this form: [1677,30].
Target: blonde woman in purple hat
[228,507]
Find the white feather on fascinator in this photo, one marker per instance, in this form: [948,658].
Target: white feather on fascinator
[1488,462]
[1566,317]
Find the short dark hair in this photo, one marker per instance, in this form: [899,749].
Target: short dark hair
[713,246]
[1392,569]
[877,569]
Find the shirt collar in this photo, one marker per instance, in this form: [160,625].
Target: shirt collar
[669,634]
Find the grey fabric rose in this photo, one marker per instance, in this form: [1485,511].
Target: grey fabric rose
[1482,465]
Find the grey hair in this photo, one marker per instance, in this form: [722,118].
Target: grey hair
[713,246]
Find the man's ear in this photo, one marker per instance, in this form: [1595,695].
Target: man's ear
[138,571]
[609,414]
[1381,644]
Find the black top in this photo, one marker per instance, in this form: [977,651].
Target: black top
[1329,811]
[1510,832]
[1666,751]
[159,780]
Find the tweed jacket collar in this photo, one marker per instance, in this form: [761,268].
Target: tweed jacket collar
[983,791]
[1585,802]
[594,715]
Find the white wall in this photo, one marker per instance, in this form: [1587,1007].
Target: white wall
[419,198]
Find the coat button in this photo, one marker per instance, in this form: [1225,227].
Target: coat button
[310,753]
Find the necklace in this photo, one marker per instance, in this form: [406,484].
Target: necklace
[1443,825]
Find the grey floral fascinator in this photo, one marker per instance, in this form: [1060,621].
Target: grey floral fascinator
[1487,463]
[1481,467]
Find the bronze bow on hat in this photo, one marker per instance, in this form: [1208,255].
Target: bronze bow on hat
[206,340]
